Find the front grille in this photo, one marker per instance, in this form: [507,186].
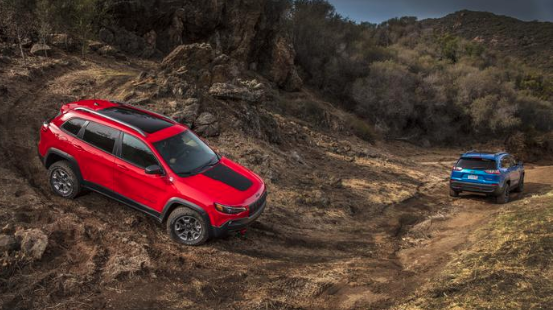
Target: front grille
[258,204]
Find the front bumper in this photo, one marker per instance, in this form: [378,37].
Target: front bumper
[474,187]
[238,224]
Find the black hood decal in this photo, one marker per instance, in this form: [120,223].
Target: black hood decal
[228,176]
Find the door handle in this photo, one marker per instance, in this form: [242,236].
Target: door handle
[122,167]
[78,147]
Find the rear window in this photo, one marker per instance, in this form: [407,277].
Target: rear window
[73,126]
[477,164]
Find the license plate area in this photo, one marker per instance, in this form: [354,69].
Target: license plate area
[472,177]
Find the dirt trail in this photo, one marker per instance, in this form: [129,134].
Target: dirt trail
[104,255]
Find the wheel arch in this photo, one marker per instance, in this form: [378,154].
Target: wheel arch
[176,202]
[54,155]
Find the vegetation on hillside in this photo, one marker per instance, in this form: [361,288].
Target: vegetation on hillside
[36,19]
[416,83]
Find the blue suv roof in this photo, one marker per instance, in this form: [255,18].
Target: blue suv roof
[479,154]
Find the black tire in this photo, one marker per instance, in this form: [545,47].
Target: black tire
[453,193]
[63,180]
[503,197]
[520,186]
[197,233]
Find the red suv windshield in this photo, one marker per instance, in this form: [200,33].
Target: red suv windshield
[186,154]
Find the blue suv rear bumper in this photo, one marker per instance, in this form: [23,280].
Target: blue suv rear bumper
[474,187]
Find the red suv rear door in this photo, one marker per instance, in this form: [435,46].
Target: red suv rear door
[95,154]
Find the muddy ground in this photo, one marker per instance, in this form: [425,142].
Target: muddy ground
[349,224]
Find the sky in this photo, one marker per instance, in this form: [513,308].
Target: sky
[377,11]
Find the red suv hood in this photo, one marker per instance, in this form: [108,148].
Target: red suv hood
[226,183]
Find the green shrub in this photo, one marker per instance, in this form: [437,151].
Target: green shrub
[362,129]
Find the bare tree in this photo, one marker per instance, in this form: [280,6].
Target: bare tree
[16,18]
[44,14]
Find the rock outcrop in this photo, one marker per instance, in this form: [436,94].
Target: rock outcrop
[249,31]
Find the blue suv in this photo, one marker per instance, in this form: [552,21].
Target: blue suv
[494,174]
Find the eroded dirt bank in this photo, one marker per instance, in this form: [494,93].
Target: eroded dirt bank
[349,225]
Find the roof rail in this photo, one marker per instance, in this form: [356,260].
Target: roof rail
[111,119]
[167,118]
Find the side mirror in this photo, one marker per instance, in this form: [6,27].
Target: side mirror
[154,169]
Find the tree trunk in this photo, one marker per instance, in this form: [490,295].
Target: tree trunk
[21,46]
[44,42]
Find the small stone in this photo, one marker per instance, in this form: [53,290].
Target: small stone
[33,242]
[296,157]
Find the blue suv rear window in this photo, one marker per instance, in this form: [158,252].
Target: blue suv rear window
[477,164]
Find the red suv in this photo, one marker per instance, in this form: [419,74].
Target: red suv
[151,163]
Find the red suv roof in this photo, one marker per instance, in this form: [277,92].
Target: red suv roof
[152,126]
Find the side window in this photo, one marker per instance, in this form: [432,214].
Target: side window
[73,126]
[100,136]
[136,152]
[513,161]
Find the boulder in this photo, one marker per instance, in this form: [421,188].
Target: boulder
[193,56]
[230,91]
[95,46]
[207,125]
[189,113]
[40,49]
[282,69]
[7,243]
[107,50]
[33,242]
[62,40]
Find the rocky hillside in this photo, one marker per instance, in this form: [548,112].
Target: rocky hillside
[250,32]
[531,42]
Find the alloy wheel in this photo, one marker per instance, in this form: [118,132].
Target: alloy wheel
[188,228]
[62,182]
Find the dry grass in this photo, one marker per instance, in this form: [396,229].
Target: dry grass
[510,267]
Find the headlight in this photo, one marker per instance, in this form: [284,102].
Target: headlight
[229,210]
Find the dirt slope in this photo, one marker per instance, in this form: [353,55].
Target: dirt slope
[349,225]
